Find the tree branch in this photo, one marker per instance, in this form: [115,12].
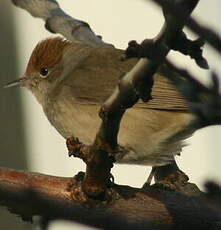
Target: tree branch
[29,194]
[57,21]
[204,32]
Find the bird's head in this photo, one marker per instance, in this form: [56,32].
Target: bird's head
[45,66]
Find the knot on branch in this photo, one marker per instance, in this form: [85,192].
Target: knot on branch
[192,48]
[147,49]
[76,148]
[99,162]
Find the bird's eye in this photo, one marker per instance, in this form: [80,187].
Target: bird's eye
[44,72]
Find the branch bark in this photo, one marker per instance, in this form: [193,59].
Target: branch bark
[204,32]
[29,194]
[57,21]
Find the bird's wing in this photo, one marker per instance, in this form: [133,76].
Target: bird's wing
[95,78]
[165,96]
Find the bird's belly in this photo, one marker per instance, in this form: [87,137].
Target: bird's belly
[148,136]
[153,137]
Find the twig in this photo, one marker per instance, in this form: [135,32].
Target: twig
[204,32]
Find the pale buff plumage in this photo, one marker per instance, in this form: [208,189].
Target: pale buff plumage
[80,78]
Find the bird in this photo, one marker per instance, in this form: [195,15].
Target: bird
[71,80]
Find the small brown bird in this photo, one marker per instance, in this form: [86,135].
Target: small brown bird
[71,80]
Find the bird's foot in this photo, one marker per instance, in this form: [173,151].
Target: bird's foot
[173,181]
[168,180]
[170,177]
[178,182]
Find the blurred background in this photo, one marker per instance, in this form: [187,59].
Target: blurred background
[27,139]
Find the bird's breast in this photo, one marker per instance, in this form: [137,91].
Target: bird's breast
[73,119]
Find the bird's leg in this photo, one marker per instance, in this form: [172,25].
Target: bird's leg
[171,177]
[168,176]
[150,178]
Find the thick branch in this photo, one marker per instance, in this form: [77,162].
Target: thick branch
[29,194]
[57,21]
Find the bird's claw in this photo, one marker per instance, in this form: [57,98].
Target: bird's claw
[176,181]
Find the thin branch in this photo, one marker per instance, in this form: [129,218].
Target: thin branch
[57,21]
[206,33]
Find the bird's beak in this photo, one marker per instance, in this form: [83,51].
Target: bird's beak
[15,82]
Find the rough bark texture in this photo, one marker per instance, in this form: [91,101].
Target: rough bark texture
[28,194]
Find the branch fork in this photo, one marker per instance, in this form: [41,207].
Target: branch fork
[99,163]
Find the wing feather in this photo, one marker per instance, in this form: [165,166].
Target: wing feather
[165,96]
[95,78]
